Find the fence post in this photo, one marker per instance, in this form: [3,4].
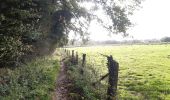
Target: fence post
[83,63]
[69,53]
[72,53]
[83,60]
[113,68]
[76,58]
[72,58]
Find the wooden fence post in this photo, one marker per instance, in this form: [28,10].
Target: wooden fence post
[72,58]
[84,60]
[72,53]
[76,58]
[69,53]
[113,68]
[83,63]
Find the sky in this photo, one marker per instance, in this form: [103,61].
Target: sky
[152,21]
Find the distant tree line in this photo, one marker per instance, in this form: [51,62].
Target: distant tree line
[165,39]
[74,42]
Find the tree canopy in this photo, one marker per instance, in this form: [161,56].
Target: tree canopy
[31,28]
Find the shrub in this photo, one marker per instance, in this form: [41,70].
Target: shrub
[31,81]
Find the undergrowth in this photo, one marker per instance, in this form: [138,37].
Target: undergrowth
[83,80]
[35,80]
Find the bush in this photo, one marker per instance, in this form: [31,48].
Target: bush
[35,80]
[11,50]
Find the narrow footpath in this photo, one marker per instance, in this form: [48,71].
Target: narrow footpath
[61,91]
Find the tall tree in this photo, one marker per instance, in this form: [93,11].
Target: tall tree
[20,22]
[36,27]
[116,11]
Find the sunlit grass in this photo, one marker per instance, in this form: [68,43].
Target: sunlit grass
[144,69]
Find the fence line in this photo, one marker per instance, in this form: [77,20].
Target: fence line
[113,67]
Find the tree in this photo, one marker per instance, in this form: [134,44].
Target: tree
[113,10]
[85,40]
[19,21]
[165,39]
[72,41]
[36,27]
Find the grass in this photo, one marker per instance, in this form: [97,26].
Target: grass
[144,72]
[81,87]
[35,80]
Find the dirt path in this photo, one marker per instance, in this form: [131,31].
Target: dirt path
[61,91]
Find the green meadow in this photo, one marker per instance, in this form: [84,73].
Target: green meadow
[144,70]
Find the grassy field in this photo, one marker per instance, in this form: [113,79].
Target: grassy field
[144,72]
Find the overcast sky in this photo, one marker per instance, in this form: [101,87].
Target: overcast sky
[151,22]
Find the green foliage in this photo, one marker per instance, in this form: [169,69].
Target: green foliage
[36,80]
[18,19]
[36,27]
[11,50]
